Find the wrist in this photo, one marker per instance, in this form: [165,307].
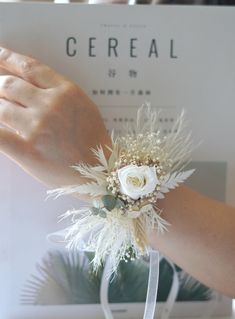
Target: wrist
[171,207]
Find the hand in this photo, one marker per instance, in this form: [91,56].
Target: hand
[50,123]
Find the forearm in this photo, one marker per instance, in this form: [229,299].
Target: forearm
[201,238]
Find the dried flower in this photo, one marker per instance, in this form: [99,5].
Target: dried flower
[137,180]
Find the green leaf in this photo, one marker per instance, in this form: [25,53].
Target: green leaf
[119,203]
[109,202]
[109,191]
[102,213]
[95,210]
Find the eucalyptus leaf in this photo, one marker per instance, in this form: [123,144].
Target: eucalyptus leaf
[102,213]
[109,191]
[95,210]
[109,202]
[119,203]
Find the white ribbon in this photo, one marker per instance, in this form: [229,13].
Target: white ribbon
[104,289]
[153,280]
[151,292]
[168,306]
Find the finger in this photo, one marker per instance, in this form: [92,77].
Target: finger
[13,115]
[15,89]
[29,69]
[4,72]
[11,144]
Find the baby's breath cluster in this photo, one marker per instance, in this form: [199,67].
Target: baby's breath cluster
[144,149]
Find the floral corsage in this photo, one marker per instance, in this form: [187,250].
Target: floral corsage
[144,165]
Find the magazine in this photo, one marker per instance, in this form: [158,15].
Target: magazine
[122,56]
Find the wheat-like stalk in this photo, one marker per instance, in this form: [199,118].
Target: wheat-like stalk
[140,233]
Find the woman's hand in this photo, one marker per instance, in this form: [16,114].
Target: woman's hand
[49,122]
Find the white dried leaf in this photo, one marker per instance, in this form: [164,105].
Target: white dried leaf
[98,168]
[94,173]
[173,180]
[90,188]
[99,154]
[160,196]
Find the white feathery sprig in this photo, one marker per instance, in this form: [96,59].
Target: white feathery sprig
[173,180]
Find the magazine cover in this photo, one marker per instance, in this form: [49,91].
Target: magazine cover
[122,56]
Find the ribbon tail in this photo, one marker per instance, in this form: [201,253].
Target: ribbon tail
[104,289]
[153,280]
[172,294]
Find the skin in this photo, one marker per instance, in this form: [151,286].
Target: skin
[201,238]
[50,124]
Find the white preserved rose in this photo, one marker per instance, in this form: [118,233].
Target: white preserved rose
[137,181]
